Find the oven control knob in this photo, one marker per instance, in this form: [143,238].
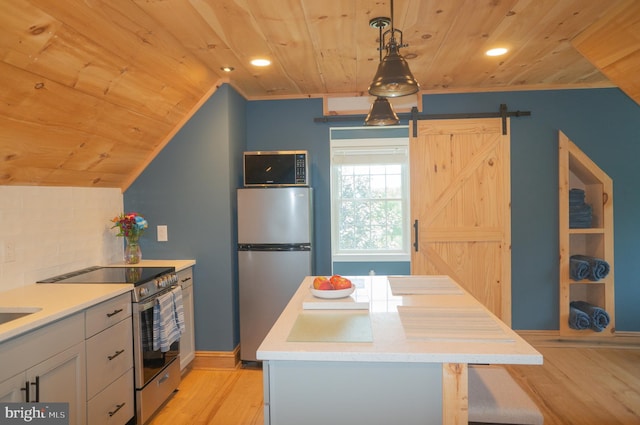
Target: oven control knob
[162,282]
[143,292]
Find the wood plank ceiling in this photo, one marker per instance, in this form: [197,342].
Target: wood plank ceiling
[92,90]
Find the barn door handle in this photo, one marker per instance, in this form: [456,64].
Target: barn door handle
[415,235]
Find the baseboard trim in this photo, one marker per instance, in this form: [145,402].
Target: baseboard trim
[217,359]
[552,338]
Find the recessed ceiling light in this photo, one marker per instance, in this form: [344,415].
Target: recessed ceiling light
[227,68]
[496,52]
[261,62]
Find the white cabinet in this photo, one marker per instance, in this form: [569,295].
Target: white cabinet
[101,408]
[12,389]
[187,340]
[85,360]
[61,378]
[109,345]
[50,362]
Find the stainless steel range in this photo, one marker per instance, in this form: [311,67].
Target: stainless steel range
[157,373]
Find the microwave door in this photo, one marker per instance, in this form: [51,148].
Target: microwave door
[276,168]
[270,169]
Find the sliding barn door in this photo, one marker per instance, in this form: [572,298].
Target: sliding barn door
[461,207]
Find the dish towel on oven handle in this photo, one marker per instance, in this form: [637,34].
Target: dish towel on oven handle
[166,329]
[178,308]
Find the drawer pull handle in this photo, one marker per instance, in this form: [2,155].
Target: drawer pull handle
[37,385]
[26,391]
[186,279]
[118,407]
[114,312]
[164,378]
[115,355]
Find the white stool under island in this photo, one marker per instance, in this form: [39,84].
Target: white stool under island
[395,351]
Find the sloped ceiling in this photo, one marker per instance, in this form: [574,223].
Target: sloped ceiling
[92,90]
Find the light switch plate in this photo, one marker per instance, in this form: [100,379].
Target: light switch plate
[162,233]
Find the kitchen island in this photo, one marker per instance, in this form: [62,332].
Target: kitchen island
[402,358]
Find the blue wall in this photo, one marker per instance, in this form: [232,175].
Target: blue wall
[191,186]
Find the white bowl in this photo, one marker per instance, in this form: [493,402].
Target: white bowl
[332,293]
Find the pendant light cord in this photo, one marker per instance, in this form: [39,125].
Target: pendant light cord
[391,18]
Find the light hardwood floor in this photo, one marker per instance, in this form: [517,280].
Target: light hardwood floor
[581,383]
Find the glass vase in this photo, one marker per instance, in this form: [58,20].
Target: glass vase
[132,251]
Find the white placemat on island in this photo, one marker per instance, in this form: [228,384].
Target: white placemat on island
[331,326]
[423,285]
[462,324]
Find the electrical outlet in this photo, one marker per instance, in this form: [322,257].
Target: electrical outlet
[9,251]
[162,233]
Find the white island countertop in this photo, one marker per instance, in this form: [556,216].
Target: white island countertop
[428,319]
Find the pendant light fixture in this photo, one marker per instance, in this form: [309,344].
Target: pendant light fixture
[381,112]
[393,78]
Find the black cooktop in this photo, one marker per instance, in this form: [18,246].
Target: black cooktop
[97,274]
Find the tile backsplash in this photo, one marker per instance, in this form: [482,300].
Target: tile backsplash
[46,231]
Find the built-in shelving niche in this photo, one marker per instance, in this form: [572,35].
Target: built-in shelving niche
[577,170]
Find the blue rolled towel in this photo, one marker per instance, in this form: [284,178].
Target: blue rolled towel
[578,319]
[579,269]
[598,268]
[599,317]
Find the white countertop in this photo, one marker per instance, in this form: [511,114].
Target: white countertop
[58,300]
[434,321]
[178,264]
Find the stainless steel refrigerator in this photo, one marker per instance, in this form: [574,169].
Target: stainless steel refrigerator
[275,229]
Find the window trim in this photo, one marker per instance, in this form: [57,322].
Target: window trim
[385,256]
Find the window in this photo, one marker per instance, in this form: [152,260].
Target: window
[369,197]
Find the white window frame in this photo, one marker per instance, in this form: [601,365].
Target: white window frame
[398,145]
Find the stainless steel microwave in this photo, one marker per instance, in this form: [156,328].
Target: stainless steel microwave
[276,168]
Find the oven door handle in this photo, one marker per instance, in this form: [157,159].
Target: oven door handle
[150,302]
[147,305]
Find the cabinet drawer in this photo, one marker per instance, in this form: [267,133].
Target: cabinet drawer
[20,353]
[185,277]
[113,405]
[107,313]
[109,355]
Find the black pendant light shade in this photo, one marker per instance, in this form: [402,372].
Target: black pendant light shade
[393,78]
[381,113]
